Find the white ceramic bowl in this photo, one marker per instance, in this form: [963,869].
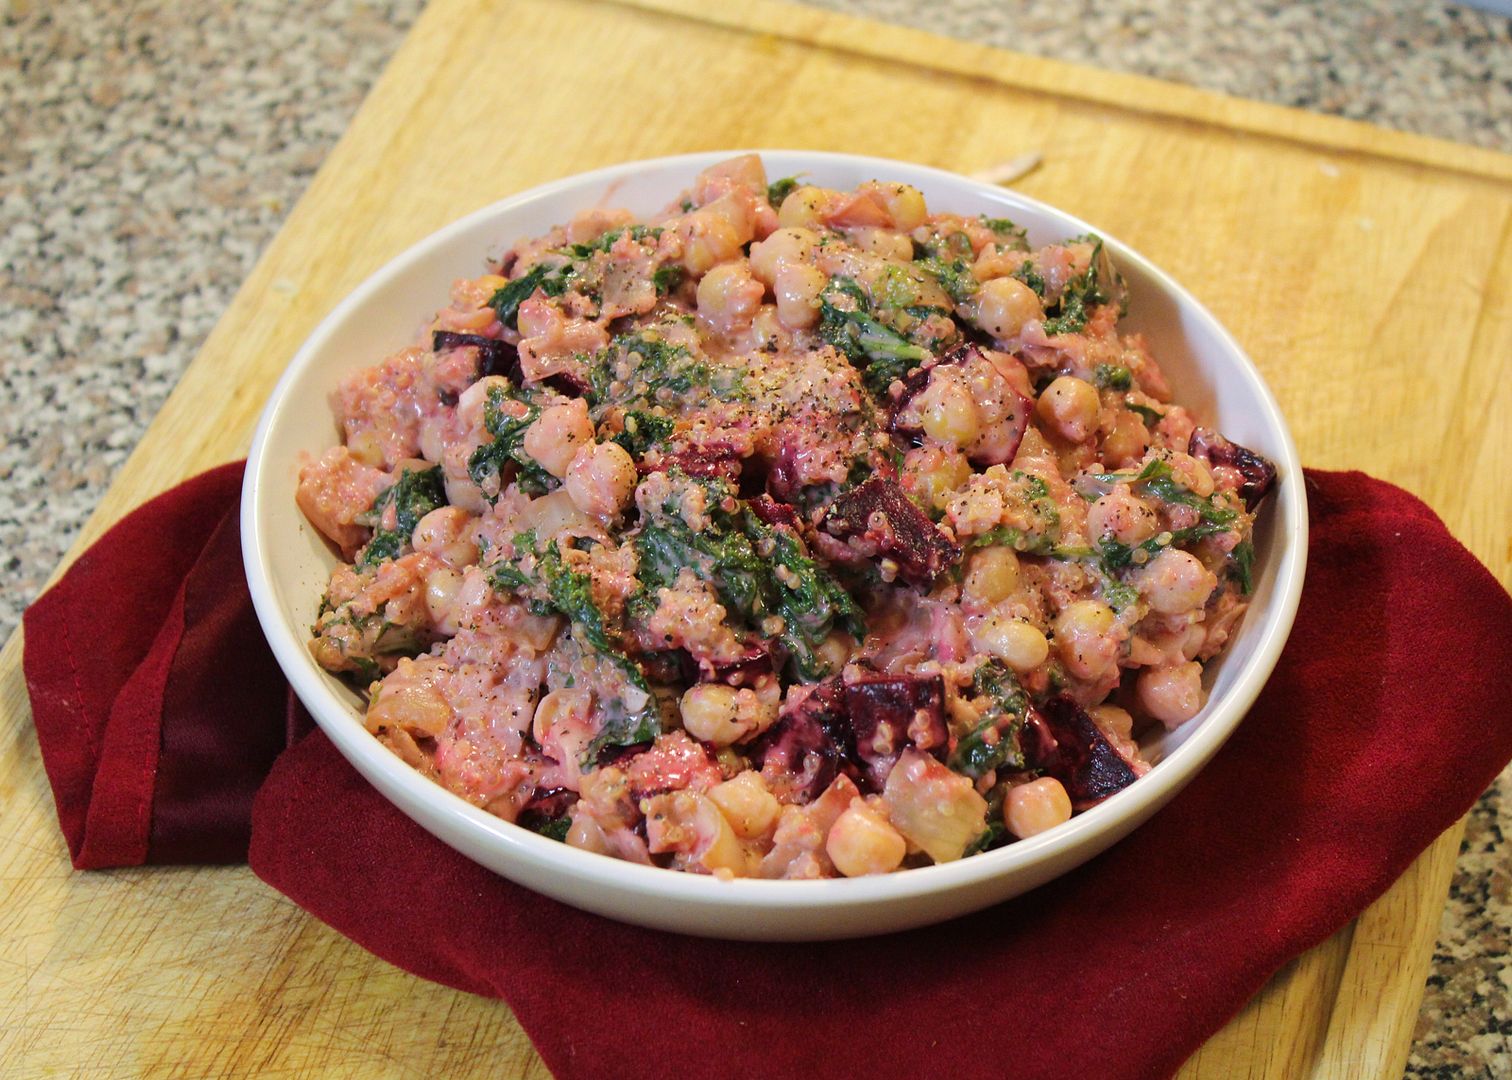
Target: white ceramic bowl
[288,565]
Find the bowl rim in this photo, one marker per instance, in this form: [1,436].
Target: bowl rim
[336,718]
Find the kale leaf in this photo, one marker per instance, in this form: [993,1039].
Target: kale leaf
[506,301]
[508,446]
[778,190]
[666,278]
[642,431]
[416,493]
[1244,566]
[994,742]
[553,828]
[1081,294]
[1113,377]
[1008,234]
[659,371]
[954,276]
[757,570]
[846,322]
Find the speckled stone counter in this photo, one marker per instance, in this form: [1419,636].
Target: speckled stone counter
[150,150]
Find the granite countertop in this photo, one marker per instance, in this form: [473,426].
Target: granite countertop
[151,150]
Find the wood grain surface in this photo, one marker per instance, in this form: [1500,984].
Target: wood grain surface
[1368,273]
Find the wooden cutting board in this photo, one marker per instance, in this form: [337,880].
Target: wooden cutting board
[1368,273]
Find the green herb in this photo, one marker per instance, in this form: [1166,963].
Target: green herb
[604,242]
[658,371]
[642,431]
[1009,234]
[1244,566]
[553,828]
[955,278]
[994,835]
[551,280]
[508,446]
[1029,274]
[807,597]
[994,742]
[415,494]
[666,278]
[948,246]
[686,205]
[1119,595]
[1043,538]
[757,570]
[1159,481]
[846,322]
[1113,377]
[622,729]
[541,578]
[1081,294]
[779,190]
[1149,415]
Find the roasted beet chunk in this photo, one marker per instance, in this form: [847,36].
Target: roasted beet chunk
[551,802]
[877,519]
[1062,741]
[889,713]
[1257,474]
[773,512]
[1004,411]
[756,663]
[494,357]
[706,462]
[802,753]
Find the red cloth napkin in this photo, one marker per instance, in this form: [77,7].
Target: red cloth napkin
[158,708]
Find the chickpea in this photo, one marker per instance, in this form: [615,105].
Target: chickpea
[441,588]
[747,805]
[1123,516]
[1083,637]
[995,261]
[367,447]
[1013,641]
[992,575]
[1112,718]
[718,849]
[1127,442]
[882,242]
[835,649]
[601,479]
[416,707]
[586,834]
[1070,406]
[785,247]
[862,842]
[1171,694]
[1193,474]
[1175,582]
[797,290]
[805,207]
[1002,306]
[711,239]
[729,297]
[711,713]
[557,706]
[904,202]
[949,412]
[1032,808]
[443,533]
[558,434]
[473,401]
[934,473]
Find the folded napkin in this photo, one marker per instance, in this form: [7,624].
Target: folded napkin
[159,710]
